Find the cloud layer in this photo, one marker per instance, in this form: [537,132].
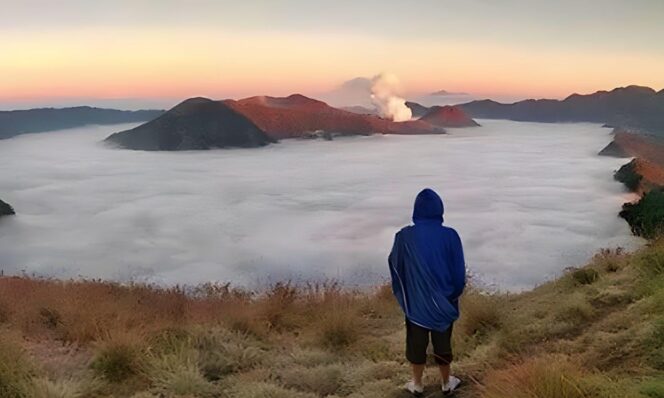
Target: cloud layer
[528,200]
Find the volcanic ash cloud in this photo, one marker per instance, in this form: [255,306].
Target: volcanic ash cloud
[384,96]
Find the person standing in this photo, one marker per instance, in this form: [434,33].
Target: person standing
[428,274]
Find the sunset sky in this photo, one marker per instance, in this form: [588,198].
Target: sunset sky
[142,52]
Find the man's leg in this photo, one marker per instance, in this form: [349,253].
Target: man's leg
[442,348]
[444,373]
[417,340]
[418,371]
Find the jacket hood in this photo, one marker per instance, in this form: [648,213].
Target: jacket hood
[428,207]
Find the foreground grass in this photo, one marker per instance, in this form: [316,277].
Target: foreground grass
[595,332]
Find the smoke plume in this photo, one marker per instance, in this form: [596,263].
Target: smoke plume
[384,95]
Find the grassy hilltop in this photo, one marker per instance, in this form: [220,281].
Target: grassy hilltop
[597,331]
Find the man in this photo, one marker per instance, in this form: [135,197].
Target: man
[428,276]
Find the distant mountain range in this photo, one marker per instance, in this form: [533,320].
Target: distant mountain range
[632,107]
[444,93]
[13,123]
[256,121]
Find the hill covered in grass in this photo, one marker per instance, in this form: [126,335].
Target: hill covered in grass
[597,331]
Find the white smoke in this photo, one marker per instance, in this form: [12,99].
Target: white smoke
[384,96]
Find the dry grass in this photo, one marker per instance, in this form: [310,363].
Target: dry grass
[117,358]
[577,336]
[15,370]
[541,378]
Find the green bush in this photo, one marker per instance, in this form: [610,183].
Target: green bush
[646,217]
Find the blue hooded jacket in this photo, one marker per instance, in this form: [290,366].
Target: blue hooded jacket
[427,266]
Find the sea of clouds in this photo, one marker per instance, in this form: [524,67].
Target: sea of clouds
[528,199]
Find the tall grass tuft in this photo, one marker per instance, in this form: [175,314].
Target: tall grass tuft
[261,389]
[117,359]
[549,377]
[176,372]
[339,327]
[480,313]
[651,262]
[15,370]
[45,388]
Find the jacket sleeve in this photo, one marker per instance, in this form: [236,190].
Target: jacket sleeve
[458,270]
[395,262]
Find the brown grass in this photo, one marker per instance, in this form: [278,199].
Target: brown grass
[578,336]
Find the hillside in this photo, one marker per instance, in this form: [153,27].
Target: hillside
[630,107]
[297,116]
[6,209]
[13,123]
[597,332]
[417,109]
[448,116]
[197,123]
[644,175]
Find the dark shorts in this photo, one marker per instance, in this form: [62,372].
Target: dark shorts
[417,341]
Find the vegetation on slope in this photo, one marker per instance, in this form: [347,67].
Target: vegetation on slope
[6,209]
[597,331]
[629,176]
[646,217]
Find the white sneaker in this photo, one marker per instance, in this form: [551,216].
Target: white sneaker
[414,389]
[452,384]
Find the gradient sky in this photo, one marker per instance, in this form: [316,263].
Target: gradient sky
[61,52]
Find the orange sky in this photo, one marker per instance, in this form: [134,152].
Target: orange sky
[103,60]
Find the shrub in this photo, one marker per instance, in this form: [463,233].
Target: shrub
[116,360]
[629,176]
[585,276]
[646,217]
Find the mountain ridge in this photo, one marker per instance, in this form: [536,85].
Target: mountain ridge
[40,120]
[635,107]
